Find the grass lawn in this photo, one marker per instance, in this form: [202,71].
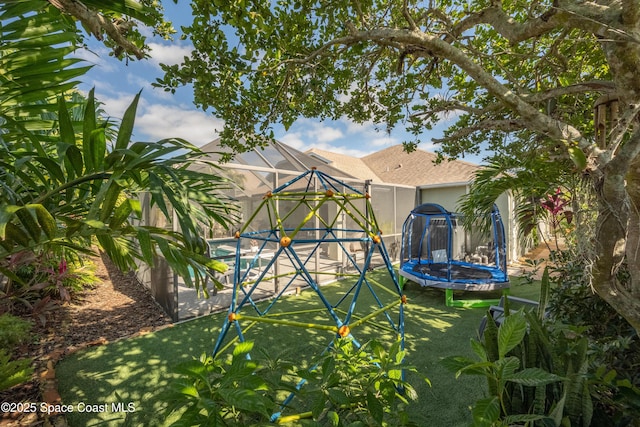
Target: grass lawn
[137,371]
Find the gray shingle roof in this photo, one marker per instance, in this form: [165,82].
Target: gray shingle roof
[394,165]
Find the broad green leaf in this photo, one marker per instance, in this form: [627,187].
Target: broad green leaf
[73,161]
[144,240]
[533,377]
[52,168]
[338,396]
[29,223]
[578,158]
[247,400]
[45,219]
[6,214]
[328,368]
[478,368]
[67,133]
[456,363]
[190,390]
[479,349]
[375,408]
[194,369]
[110,199]
[511,333]
[94,223]
[486,411]
[507,366]
[121,214]
[16,235]
[524,419]
[333,418]
[557,410]
[242,348]
[98,148]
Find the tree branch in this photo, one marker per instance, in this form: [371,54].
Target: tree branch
[588,16]
[407,16]
[578,88]
[98,23]
[508,125]
[628,151]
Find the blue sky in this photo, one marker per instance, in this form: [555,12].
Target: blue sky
[163,115]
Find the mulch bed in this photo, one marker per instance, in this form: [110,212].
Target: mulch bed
[115,308]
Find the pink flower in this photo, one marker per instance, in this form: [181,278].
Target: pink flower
[555,203]
[62,267]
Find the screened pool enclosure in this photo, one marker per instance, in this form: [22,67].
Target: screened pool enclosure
[254,174]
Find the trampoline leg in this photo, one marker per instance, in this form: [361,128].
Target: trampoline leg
[470,303]
[448,297]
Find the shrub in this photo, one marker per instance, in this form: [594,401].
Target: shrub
[348,386]
[38,281]
[212,392]
[359,386]
[535,373]
[613,344]
[13,331]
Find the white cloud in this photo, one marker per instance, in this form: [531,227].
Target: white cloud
[168,53]
[115,106]
[137,81]
[294,139]
[321,132]
[341,136]
[160,121]
[427,146]
[373,136]
[157,121]
[349,150]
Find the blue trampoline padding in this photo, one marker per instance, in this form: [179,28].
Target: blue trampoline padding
[455,275]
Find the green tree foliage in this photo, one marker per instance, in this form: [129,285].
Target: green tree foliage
[518,77]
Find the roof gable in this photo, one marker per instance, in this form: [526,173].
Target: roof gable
[352,165]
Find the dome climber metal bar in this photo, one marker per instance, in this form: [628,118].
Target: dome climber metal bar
[318,207]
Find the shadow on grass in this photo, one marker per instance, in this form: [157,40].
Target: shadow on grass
[137,371]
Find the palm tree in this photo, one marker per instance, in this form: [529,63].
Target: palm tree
[70,179]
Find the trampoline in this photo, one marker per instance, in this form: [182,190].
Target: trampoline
[437,251]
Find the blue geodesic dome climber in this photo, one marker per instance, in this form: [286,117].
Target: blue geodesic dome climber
[300,223]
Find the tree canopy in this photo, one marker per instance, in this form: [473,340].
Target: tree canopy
[520,78]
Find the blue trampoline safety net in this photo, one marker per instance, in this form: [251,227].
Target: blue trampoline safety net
[438,251]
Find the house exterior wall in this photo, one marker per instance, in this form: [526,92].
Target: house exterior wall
[506,207]
[447,197]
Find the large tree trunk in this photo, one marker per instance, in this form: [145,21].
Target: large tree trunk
[616,237]
[618,187]
[633,234]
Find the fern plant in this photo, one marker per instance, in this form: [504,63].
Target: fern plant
[13,372]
